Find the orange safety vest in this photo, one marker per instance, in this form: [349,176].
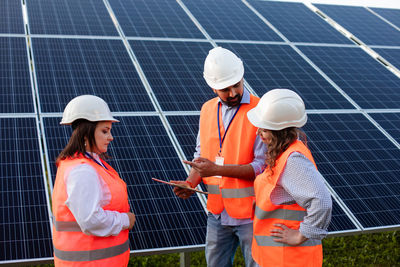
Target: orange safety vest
[71,246]
[265,251]
[235,195]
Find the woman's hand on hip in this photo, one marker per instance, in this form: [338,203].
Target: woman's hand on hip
[287,235]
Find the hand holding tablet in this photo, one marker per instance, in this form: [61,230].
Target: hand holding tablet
[180,186]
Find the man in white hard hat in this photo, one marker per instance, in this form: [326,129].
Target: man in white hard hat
[229,155]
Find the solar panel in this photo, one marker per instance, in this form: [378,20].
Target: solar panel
[11,20]
[298,23]
[16,92]
[70,17]
[24,215]
[360,164]
[66,68]
[361,77]
[392,15]
[391,55]
[154,18]
[157,89]
[363,24]
[231,20]
[185,129]
[390,122]
[279,66]
[175,72]
[340,222]
[141,150]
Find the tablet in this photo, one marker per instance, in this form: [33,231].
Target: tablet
[180,186]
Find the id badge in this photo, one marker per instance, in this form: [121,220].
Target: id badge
[219,161]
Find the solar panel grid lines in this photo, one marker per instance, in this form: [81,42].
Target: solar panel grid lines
[154,18]
[11,20]
[383,18]
[72,17]
[220,21]
[366,161]
[174,72]
[389,122]
[390,55]
[367,27]
[15,76]
[340,224]
[25,225]
[360,76]
[280,66]
[392,15]
[185,129]
[298,23]
[69,67]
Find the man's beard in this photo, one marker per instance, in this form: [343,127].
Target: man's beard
[233,101]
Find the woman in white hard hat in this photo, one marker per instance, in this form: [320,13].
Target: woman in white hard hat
[293,206]
[90,206]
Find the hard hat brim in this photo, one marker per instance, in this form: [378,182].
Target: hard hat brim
[69,122]
[258,122]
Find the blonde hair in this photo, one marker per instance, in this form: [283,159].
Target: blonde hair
[280,141]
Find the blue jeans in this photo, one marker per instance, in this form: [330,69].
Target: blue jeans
[222,242]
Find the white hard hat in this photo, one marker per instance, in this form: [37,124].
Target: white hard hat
[222,68]
[278,109]
[89,107]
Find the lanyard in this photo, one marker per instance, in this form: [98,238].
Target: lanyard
[92,158]
[229,124]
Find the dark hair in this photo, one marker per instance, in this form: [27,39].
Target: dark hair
[76,146]
[280,141]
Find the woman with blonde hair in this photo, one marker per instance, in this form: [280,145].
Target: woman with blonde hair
[293,206]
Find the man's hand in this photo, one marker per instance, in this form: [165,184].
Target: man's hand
[132,219]
[203,166]
[287,235]
[181,192]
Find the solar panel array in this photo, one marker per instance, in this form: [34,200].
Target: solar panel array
[145,59]
[365,25]
[391,15]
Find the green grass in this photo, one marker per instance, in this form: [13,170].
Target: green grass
[379,249]
[371,250]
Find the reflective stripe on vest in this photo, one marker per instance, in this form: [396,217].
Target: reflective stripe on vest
[91,255]
[268,241]
[237,193]
[67,226]
[213,189]
[284,214]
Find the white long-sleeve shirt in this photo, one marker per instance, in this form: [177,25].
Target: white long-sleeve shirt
[87,194]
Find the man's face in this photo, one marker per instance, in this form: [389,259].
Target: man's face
[231,95]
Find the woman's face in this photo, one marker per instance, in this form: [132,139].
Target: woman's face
[265,135]
[102,136]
